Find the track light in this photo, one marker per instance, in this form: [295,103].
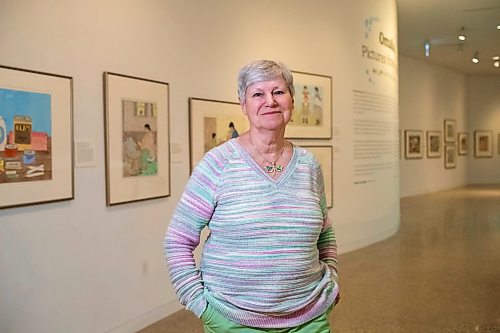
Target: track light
[475,58]
[427,48]
[498,27]
[461,34]
[496,64]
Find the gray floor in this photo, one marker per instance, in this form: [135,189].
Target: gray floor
[439,273]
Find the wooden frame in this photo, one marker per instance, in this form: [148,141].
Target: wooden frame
[136,115]
[209,125]
[498,143]
[450,156]
[483,143]
[324,155]
[413,144]
[312,116]
[449,130]
[36,137]
[463,144]
[434,144]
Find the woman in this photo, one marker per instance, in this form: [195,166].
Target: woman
[269,263]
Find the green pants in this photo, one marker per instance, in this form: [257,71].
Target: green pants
[214,322]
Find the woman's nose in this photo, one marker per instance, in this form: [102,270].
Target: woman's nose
[270,101]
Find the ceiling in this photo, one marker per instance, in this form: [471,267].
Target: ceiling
[439,21]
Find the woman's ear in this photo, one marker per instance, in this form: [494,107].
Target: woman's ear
[242,104]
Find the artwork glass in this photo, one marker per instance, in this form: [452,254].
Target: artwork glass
[413,144]
[212,123]
[483,143]
[137,139]
[450,157]
[433,144]
[463,145]
[312,115]
[449,130]
[36,137]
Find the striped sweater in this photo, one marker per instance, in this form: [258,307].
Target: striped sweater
[270,258]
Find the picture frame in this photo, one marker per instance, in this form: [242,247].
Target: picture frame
[324,155]
[498,143]
[449,130]
[483,143]
[463,143]
[312,115]
[434,139]
[209,122]
[413,144]
[450,157]
[36,137]
[137,138]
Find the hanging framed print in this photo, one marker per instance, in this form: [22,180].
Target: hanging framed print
[463,145]
[483,144]
[137,139]
[450,156]
[449,130]
[433,144]
[413,144]
[324,155]
[36,137]
[212,123]
[312,115]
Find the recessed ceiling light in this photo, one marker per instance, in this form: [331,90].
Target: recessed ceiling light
[496,64]
[496,58]
[461,34]
[475,58]
[498,27]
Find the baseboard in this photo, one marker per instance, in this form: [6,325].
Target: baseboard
[148,318]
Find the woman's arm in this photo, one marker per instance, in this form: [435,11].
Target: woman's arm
[191,215]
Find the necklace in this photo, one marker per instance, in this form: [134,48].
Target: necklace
[272,166]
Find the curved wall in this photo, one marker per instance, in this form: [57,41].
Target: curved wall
[79,266]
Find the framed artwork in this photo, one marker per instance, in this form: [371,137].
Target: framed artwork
[498,143]
[449,130]
[137,139]
[413,144]
[36,137]
[433,144]
[483,144]
[312,116]
[450,157]
[212,123]
[463,145]
[324,155]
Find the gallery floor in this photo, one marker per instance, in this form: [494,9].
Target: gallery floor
[439,273]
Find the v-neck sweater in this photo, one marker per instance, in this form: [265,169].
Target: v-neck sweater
[270,259]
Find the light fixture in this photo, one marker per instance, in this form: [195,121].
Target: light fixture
[475,58]
[498,27]
[496,64]
[427,48]
[496,58]
[461,34]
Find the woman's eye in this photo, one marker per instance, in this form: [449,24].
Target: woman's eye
[279,92]
[257,94]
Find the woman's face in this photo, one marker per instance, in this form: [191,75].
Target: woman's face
[268,104]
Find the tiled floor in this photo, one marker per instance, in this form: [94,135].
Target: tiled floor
[439,273]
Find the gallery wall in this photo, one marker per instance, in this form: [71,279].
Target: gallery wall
[483,114]
[80,266]
[429,95]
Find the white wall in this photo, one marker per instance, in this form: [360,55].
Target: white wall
[79,266]
[428,94]
[483,113]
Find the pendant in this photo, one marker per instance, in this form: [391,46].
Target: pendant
[274,168]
